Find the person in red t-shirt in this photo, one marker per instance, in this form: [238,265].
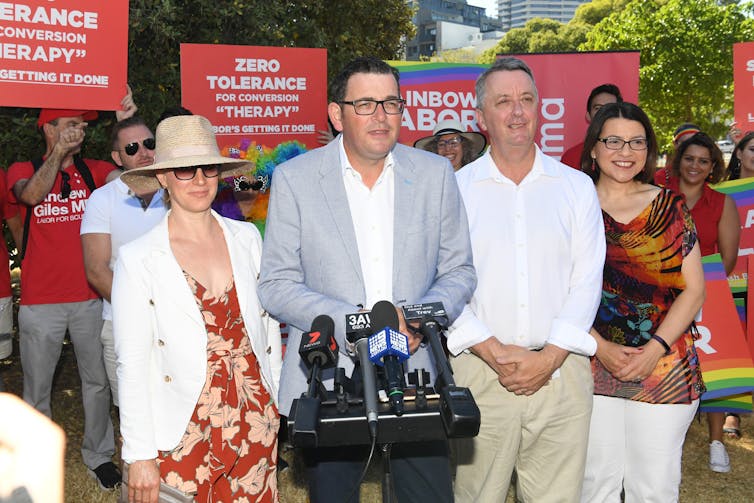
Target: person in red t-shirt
[55,295]
[599,97]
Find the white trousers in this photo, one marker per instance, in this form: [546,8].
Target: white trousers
[108,355]
[635,446]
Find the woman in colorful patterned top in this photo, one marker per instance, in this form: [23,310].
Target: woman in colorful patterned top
[198,367]
[647,379]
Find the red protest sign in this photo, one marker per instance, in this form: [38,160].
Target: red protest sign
[64,54]
[743,85]
[723,352]
[267,94]
[564,87]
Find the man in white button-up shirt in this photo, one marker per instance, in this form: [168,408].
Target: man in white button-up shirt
[522,343]
[357,221]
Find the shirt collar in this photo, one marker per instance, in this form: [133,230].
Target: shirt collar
[488,170]
[347,168]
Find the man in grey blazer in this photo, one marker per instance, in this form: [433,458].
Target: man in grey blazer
[360,220]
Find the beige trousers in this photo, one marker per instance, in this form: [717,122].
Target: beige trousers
[543,436]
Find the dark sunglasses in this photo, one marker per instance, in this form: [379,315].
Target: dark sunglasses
[65,185]
[133,147]
[189,172]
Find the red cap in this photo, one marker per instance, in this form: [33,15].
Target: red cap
[50,114]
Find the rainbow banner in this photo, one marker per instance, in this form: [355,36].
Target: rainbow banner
[435,92]
[724,356]
[742,193]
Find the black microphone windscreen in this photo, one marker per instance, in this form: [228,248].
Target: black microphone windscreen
[384,315]
[323,324]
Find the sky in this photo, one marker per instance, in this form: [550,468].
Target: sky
[490,5]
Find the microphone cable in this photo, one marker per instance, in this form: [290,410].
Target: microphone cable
[364,471]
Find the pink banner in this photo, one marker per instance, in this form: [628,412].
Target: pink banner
[439,91]
[65,54]
[268,95]
[564,87]
[743,85]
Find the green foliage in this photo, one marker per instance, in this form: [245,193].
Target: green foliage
[686,57]
[463,55]
[595,11]
[346,28]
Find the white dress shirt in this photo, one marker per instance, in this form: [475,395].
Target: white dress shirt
[539,252]
[372,213]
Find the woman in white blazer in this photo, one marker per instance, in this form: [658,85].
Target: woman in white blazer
[198,360]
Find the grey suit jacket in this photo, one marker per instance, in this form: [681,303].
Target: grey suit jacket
[310,259]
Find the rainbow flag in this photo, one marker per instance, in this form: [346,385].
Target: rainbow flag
[724,355]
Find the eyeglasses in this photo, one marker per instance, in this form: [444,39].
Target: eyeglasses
[65,185]
[133,147]
[189,172]
[450,143]
[615,143]
[393,106]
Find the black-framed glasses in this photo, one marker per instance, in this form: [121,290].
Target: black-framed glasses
[65,185]
[189,172]
[615,143]
[133,147]
[392,106]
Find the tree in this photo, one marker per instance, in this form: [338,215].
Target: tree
[537,35]
[686,57]
[346,28]
[548,35]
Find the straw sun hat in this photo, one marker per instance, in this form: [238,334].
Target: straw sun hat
[183,141]
[449,126]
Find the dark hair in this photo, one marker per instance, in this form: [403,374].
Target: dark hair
[467,154]
[124,124]
[501,65]
[173,112]
[624,110]
[702,140]
[734,165]
[603,89]
[367,64]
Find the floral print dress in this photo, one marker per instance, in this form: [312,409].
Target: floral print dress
[229,451]
[642,278]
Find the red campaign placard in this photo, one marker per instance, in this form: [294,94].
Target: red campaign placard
[265,94]
[63,54]
[723,352]
[438,91]
[743,85]
[564,81]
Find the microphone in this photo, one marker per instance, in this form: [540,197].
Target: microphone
[318,350]
[432,320]
[460,413]
[389,347]
[358,328]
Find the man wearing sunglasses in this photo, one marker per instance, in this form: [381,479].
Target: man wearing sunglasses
[114,216]
[55,296]
[357,221]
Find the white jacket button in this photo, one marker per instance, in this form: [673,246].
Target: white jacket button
[160,342]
